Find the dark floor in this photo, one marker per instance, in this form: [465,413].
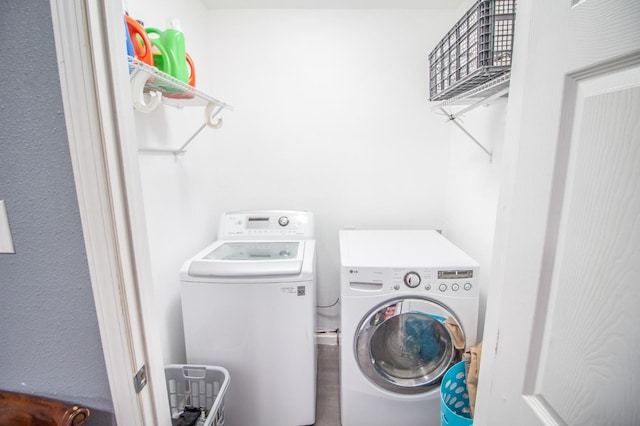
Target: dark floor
[328,393]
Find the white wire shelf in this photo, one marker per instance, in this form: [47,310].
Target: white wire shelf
[174,92]
[482,92]
[150,87]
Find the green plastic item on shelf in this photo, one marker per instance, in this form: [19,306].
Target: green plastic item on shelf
[171,57]
[159,53]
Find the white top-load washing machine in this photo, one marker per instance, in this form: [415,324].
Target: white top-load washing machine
[406,296]
[248,303]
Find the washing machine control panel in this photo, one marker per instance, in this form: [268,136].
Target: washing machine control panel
[266,224]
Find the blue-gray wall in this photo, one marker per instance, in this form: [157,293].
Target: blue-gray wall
[49,338]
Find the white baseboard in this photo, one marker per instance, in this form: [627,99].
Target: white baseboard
[327,338]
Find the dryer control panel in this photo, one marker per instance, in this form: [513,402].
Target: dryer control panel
[454,282]
[266,224]
[458,282]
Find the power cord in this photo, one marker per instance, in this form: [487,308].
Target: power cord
[329,306]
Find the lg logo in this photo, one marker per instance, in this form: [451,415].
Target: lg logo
[353,271]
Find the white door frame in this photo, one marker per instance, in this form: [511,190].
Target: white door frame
[101,132]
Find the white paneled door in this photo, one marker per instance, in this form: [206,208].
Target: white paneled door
[563,318]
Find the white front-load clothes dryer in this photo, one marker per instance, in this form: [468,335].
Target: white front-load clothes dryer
[248,303]
[409,309]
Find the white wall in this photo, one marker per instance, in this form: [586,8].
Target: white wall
[473,184]
[331,115]
[473,187]
[179,208]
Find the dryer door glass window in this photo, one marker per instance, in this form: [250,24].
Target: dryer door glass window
[404,346]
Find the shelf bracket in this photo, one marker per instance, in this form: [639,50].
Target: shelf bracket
[480,95]
[210,112]
[151,86]
[453,118]
[208,123]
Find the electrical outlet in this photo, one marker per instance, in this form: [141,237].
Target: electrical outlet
[6,242]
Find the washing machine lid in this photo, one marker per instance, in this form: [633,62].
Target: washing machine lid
[404,346]
[248,259]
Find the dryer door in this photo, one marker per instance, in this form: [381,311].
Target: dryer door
[403,345]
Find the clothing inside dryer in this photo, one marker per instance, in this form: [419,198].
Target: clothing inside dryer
[410,345]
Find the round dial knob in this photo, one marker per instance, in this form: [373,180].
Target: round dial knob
[412,279]
[283,221]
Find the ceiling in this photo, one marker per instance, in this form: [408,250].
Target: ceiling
[333,4]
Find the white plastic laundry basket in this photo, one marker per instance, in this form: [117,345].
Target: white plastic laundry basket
[198,386]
